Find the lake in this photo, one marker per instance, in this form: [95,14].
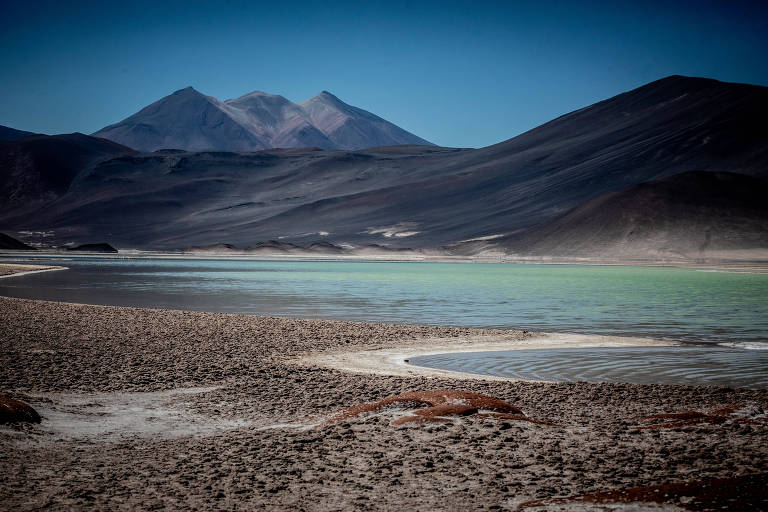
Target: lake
[687,305]
[693,306]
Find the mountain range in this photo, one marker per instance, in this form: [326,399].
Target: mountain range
[667,170]
[192,121]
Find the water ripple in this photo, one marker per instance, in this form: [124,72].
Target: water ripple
[708,366]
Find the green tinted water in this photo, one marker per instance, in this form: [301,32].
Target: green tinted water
[682,304]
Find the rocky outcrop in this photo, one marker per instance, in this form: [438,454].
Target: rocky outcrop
[434,406]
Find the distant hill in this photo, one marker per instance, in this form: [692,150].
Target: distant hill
[413,196]
[690,215]
[192,121]
[100,247]
[7,133]
[8,242]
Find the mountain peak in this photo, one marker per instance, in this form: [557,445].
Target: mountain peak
[190,120]
[260,93]
[325,97]
[186,93]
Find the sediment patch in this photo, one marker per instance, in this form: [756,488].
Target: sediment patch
[738,493]
[108,417]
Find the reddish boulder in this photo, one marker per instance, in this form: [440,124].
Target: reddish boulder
[15,411]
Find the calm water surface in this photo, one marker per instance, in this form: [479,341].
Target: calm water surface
[681,304]
[704,365]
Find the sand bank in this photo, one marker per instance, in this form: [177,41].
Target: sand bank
[220,401]
[12,270]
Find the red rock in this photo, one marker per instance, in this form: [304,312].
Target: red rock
[446,410]
[15,411]
[420,419]
[513,417]
[439,402]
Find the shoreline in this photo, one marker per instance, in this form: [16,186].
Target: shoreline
[746,266]
[149,408]
[395,361]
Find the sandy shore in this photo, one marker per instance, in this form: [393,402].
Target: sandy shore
[11,270]
[183,410]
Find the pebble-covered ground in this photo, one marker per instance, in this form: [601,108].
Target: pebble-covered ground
[257,451]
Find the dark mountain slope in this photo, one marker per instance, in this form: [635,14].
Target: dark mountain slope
[178,200]
[663,128]
[36,170]
[8,242]
[102,247]
[7,133]
[693,215]
[675,119]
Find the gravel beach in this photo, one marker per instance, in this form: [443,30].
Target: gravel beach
[154,409]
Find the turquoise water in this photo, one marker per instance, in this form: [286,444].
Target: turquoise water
[672,303]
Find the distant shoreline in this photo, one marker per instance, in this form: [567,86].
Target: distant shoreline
[728,265]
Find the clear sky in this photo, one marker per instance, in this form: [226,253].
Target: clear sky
[465,74]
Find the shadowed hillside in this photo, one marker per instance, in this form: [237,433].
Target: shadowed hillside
[690,215]
[8,242]
[7,133]
[36,170]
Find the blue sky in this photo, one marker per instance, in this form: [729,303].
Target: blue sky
[465,74]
